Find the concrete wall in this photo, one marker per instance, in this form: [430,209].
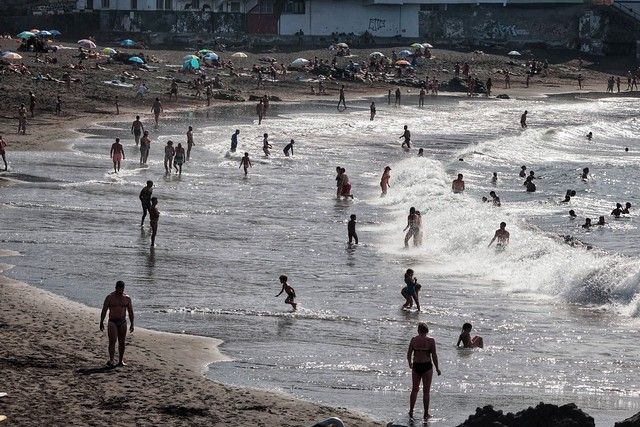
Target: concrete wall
[322,17]
[172,22]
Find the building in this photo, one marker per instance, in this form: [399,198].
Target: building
[161,5]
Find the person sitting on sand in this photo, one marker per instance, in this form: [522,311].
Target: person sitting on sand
[457,186]
[118,304]
[291,293]
[467,341]
[422,349]
[117,155]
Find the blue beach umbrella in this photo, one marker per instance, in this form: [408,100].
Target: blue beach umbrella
[127,42]
[404,53]
[211,56]
[44,33]
[55,33]
[25,35]
[191,64]
[136,60]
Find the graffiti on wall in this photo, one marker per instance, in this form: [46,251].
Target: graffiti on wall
[376,24]
[172,22]
[453,28]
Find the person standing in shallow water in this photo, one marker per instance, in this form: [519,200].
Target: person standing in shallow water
[154,216]
[342,100]
[117,155]
[156,109]
[422,358]
[189,142]
[291,293]
[246,163]
[118,304]
[384,181]
[145,199]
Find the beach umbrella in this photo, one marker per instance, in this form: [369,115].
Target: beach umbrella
[44,33]
[191,64]
[204,51]
[417,46]
[514,53]
[211,57]
[376,55]
[55,33]
[11,56]
[34,30]
[189,57]
[402,63]
[87,44]
[25,35]
[404,53]
[299,63]
[342,45]
[127,42]
[427,46]
[239,55]
[136,60]
[109,51]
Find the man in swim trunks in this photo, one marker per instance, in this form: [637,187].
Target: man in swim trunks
[291,293]
[407,137]
[3,153]
[457,186]
[117,304]
[117,154]
[154,216]
[189,142]
[169,152]
[137,129]
[246,163]
[234,140]
[145,199]
[265,145]
[425,358]
[288,147]
[502,235]
[156,109]
[178,160]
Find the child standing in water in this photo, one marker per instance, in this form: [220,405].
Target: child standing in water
[245,162]
[351,229]
[467,341]
[265,145]
[291,293]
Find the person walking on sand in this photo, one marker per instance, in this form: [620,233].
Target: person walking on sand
[396,101]
[580,79]
[407,138]
[145,199]
[3,153]
[489,85]
[421,97]
[372,111]
[22,119]
[246,163]
[117,155]
[423,351]
[189,142]
[384,181]
[173,91]
[137,129]
[169,152]
[58,106]
[32,103]
[179,158]
[260,111]
[291,293]
[156,109]
[507,80]
[118,304]
[351,230]
[341,99]
[145,146]
[154,215]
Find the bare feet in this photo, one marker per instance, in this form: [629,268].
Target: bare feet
[121,363]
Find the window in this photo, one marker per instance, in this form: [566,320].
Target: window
[134,4]
[235,7]
[295,7]
[168,4]
[265,6]
[105,4]
[89,5]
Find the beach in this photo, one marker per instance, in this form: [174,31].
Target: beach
[224,240]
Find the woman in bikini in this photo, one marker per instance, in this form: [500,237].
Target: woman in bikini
[422,358]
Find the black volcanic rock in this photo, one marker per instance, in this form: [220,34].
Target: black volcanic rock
[542,415]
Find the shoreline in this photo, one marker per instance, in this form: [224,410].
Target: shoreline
[54,354]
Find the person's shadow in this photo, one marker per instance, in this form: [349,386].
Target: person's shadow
[100,370]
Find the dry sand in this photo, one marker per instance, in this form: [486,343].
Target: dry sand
[52,362]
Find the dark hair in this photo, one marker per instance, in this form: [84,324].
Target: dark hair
[149,183]
[503,224]
[353,216]
[119,284]
[408,273]
[117,139]
[283,278]
[137,117]
[423,328]
[154,200]
[466,326]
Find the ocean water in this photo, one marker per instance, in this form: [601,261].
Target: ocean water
[560,322]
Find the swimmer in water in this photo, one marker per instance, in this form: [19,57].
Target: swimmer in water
[523,120]
[372,110]
[494,178]
[407,137]
[467,341]
[234,140]
[412,226]
[502,235]
[617,211]
[601,221]
[351,229]
[265,145]
[457,186]
[421,152]
[587,223]
[384,181]
[531,187]
[523,172]
[495,199]
[410,291]
[567,199]
[246,163]
[291,293]
[288,147]
[626,209]
[585,173]
[589,136]
[572,214]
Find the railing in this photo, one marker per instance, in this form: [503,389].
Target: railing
[627,10]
